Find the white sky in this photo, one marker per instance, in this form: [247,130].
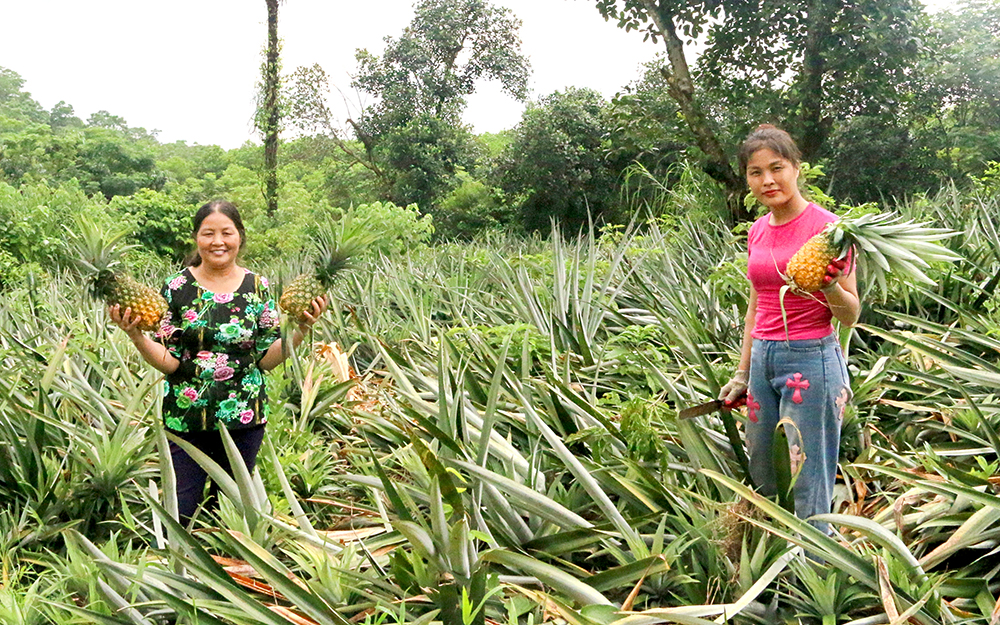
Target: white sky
[188,67]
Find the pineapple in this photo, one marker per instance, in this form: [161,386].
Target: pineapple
[99,255]
[882,243]
[332,257]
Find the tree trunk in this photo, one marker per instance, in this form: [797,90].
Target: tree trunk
[681,89]
[271,112]
[813,128]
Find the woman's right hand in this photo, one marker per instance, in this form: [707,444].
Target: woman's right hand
[735,390]
[125,320]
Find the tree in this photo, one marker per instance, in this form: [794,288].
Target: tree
[411,137]
[555,165]
[449,45]
[62,117]
[812,62]
[661,19]
[963,77]
[16,104]
[826,61]
[268,120]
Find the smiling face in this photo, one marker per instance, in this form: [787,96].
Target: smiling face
[773,180]
[218,241]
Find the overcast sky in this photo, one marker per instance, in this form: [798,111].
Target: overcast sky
[188,67]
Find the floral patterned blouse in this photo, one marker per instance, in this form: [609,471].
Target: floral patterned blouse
[219,339]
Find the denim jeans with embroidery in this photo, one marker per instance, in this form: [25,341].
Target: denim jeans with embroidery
[803,385]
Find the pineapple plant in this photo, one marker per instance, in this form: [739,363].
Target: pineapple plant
[881,242]
[333,254]
[99,256]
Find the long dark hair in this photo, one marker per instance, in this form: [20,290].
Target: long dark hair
[225,207]
[768,137]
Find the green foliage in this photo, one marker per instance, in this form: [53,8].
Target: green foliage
[163,224]
[393,229]
[435,63]
[638,429]
[105,155]
[554,167]
[470,209]
[420,82]
[424,155]
[33,219]
[17,107]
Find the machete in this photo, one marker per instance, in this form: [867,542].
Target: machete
[700,409]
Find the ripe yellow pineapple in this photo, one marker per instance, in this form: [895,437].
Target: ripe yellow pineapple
[807,267]
[333,253]
[98,256]
[881,242]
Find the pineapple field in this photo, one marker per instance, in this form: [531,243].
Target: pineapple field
[487,432]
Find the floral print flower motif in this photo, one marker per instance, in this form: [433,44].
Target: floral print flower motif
[231,330]
[263,282]
[190,393]
[246,416]
[205,355]
[223,373]
[176,424]
[183,402]
[177,282]
[221,359]
[222,298]
[268,318]
[796,382]
[165,330]
[190,315]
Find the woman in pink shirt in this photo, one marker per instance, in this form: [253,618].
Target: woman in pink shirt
[793,374]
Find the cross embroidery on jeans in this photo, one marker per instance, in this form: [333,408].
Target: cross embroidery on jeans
[799,385]
[842,403]
[752,408]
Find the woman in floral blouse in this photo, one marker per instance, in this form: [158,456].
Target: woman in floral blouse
[219,335]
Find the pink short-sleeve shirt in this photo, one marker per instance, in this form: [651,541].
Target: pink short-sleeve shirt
[770,247]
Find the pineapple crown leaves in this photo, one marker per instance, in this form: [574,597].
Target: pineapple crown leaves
[336,245]
[884,243]
[97,252]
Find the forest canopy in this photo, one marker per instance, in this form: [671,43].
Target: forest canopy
[889,102]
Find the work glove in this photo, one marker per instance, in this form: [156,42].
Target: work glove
[834,272]
[734,393]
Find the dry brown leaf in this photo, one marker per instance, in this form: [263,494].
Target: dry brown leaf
[885,590]
[349,536]
[292,617]
[258,587]
[236,566]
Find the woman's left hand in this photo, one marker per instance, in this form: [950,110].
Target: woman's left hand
[834,272]
[311,316]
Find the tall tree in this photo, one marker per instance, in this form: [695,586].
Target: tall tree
[667,20]
[269,117]
[827,61]
[411,136]
[555,164]
[435,63]
[812,61]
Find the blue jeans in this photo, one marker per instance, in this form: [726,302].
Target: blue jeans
[804,386]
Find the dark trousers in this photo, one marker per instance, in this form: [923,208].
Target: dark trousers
[191,477]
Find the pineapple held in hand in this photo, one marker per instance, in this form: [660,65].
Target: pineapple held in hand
[881,242]
[334,247]
[99,257]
